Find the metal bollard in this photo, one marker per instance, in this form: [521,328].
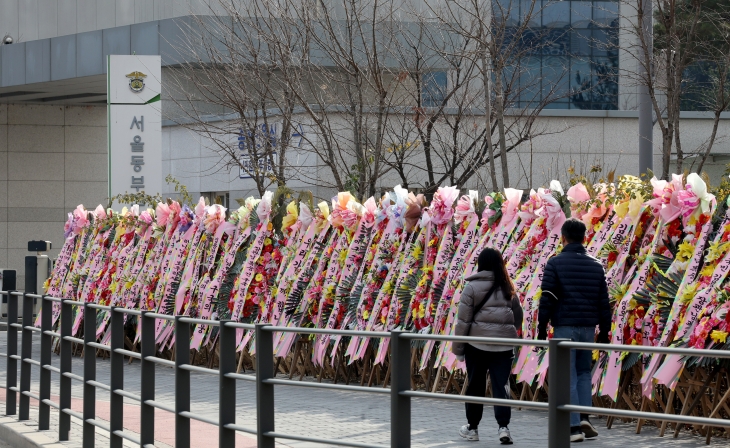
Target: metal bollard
[64,393]
[559,377]
[26,352]
[11,380]
[116,381]
[89,375]
[147,373]
[400,381]
[264,392]
[227,386]
[182,383]
[44,410]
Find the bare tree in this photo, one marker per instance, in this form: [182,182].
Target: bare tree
[226,87]
[712,91]
[664,59]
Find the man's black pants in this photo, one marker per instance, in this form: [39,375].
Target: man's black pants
[499,365]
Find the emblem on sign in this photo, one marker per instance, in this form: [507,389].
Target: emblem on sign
[136,81]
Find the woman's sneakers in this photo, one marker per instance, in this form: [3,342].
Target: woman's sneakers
[504,436]
[471,435]
[588,429]
[576,434]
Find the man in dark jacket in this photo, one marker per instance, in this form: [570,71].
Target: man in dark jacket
[575,300]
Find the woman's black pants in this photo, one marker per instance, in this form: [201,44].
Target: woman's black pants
[499,365]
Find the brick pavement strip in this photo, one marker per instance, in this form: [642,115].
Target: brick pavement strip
[354,416]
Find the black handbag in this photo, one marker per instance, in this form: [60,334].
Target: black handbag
[479,307]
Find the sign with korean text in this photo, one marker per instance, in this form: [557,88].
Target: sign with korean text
[135,124]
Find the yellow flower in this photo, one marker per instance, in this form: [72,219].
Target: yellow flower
[718,336]
[365,314]
[595,355]
[685,251]
[291,216]
[622,208]
[269,227]
[689,293]
[707,270]
[613,327]
[267,242]
[716,251]
[259,277]
[632,320]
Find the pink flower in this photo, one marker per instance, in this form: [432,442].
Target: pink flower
[215,217]
[369,215]
[162,213]
[145,217]
[81,219]
[200,208]
[441,207]
[99,212]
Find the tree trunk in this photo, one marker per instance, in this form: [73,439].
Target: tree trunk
[715,123]
[500,128]
[488,116]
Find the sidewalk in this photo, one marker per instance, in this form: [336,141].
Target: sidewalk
[354,416]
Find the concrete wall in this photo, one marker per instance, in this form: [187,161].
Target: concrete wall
[28,20]
[52,158]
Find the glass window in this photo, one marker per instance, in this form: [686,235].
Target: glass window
[433,88]
[557,43]
[529,87]
[580,43]
[555,13]
[555,74]
[601,42]
[605,83]
[572,54]
[605,13]
[580,14]
[530,12]
[580,84]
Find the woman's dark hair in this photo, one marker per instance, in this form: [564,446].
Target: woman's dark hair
[491,260]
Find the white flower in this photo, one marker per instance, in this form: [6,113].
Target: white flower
[555,186]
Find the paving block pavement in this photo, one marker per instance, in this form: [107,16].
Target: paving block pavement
[354,416]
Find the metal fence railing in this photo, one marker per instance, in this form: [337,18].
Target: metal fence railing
[558,406]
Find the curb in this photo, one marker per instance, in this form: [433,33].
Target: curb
[25,434]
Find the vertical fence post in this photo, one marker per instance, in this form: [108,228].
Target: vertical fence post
[11,380]
[147,373]
[400,381]
[182,383]
[44,410]
[64,392]
[559,377]
[227,386]
[264,392]
[116,380]
[89,375]
[26,352]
